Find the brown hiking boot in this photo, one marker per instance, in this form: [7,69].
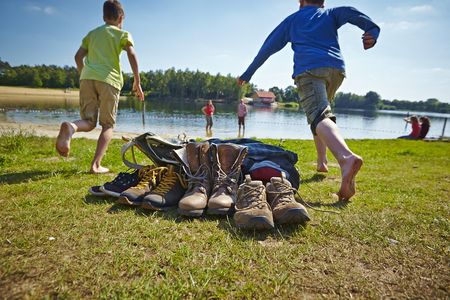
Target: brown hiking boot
[149,178]
[167,193]
[285,209]
[226,170]
[252,209]
[195,162]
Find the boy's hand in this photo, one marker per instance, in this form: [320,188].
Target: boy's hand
[240,82]
[137,89]
[368,40]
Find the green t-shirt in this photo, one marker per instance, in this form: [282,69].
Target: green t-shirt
[102,62]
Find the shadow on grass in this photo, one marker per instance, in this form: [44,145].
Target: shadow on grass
[27,176]
[96,200]
[315,178]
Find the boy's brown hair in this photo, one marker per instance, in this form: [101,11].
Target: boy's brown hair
[112,10]
[316,2]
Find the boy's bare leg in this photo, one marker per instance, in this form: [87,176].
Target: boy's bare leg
[321,149]
[102,145]
[349,162]
[66,131]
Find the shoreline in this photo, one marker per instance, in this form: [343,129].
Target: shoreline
[53,130]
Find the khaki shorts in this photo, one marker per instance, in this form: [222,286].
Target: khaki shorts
[316,89]
[98,100]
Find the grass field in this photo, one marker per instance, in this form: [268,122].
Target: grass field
[392,241]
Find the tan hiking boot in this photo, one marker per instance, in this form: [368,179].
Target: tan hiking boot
[226,170]
[167,193]
[149,178]
[285,209]
[252,209]
[195,161]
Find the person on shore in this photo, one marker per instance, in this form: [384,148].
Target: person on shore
[208,111]
[98,62]
[415,128]
[424,127]
[241,113]
[318,72]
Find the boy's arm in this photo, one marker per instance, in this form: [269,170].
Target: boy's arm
[353,16]
[132,58]
[274,43]
[79,58]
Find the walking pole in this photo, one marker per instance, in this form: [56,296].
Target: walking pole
[406,123]
[143,114]
[443,128]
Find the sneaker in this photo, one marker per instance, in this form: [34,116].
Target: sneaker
[167,193]
[96,191]
[252,209]
[149,178]
[122,182]
[285,209]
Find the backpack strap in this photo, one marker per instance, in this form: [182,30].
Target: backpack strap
[124,149]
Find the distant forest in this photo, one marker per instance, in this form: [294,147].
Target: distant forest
[191,85]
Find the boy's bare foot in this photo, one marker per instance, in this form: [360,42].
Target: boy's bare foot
[349,168]
[322,167]
[99,170]
[63,140]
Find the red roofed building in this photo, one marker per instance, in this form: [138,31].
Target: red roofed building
[264,98]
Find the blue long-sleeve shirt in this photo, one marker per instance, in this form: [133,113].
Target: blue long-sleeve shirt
[313,34]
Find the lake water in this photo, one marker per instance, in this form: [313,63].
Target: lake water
[170,119]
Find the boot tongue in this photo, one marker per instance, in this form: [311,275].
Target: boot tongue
[228,156]
[192,152]
[280,181]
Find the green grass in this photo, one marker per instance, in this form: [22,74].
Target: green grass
[57,241]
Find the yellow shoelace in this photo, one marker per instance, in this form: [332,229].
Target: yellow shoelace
[150,175]
[170,178]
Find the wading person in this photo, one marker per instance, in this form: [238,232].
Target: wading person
[98,62]
[208,111]
[318,72]
[241,114]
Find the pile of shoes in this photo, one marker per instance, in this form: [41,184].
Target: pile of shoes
[207,178]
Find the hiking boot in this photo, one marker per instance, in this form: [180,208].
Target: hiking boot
[285,209]
[252,209]
[121,183]
[226,170]
[149,178]
[195,162]
[167,193]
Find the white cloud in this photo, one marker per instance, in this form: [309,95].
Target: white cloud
[48,10]
[421,9]
[402,25]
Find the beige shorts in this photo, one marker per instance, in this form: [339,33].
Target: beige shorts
[98,100]
[316,89]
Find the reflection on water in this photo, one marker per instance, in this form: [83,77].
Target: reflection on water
[172,118]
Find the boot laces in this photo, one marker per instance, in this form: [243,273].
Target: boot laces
[252,196]
[283,193]
[197,179]
[150,175]
[226,181]
[168,181]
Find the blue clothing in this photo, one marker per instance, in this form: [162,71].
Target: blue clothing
[313,34]
[259,152]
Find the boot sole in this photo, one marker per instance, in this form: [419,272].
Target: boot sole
[124,200]
[220,211]
[293,216]
[191,213]
[149,206]
[258,223]
[110,193]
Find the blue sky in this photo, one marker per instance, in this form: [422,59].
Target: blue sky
[411,60]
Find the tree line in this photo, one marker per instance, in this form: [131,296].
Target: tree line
[191,85]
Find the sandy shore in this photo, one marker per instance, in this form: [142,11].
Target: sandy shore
[53,130]
[24,91]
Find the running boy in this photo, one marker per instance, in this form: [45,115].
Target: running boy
[98,62]
[318,72]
